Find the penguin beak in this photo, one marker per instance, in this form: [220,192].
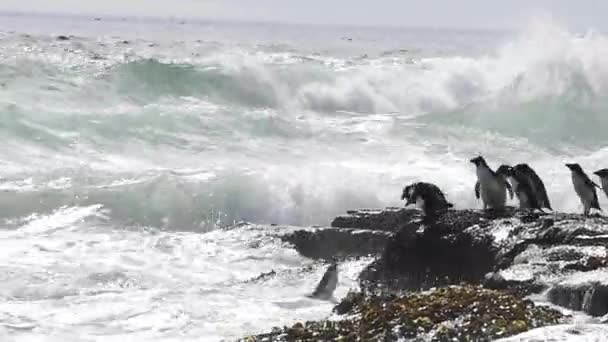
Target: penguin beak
[569,166]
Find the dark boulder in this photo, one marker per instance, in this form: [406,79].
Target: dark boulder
[425,254]
[328,243]
[389,219]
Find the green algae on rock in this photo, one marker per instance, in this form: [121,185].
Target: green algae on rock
[455,313]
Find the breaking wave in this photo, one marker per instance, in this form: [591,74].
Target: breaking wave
[286,136]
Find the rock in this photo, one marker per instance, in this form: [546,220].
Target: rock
[563,333]
[568,257]
[456,313]
[328,243]
[516,251]
[583,292]
[62,37]
[387,220]
[422,254]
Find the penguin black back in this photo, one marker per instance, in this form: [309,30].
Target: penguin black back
[521,187]
[431,196]
[535,183]
[603,174]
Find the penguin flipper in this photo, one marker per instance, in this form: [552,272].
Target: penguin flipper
[590,183]
[477,189]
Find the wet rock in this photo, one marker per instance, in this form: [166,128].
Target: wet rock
[516,251]
[563,333]
[577,294]
[425,254]
[328,243]
[457,313]
[520,252]
[63,38]
[263,277]
[388,220]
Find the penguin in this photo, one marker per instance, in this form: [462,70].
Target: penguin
[426,196]
[326,287]
[490,187]
[585,188]
[603,174]
[537,185]
[521,186]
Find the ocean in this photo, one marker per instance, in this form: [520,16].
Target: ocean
[148,165]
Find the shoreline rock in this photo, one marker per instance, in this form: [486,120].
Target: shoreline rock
[341,243]
[455,313]
[515,253]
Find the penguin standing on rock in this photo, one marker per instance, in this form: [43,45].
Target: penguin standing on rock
[521,186]
[427,196]
[536,184]
[603,174]
[584,187]
[490,187]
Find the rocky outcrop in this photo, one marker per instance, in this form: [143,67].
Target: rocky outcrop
[388,220]
[578,293]
[329,243]
[457,313]
[520,252]
[419,255]
[564,257]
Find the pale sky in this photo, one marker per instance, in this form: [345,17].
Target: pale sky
[581,14]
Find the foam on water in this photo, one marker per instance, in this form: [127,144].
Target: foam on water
[81,278]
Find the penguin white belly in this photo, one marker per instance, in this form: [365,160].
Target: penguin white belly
[493,191]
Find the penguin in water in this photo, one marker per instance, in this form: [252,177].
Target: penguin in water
[427,196]
[521,186]
[537,185]
[490,187]
[603,174]
[585,188]
[326,287]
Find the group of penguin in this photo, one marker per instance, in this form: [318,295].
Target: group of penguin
[492,188]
